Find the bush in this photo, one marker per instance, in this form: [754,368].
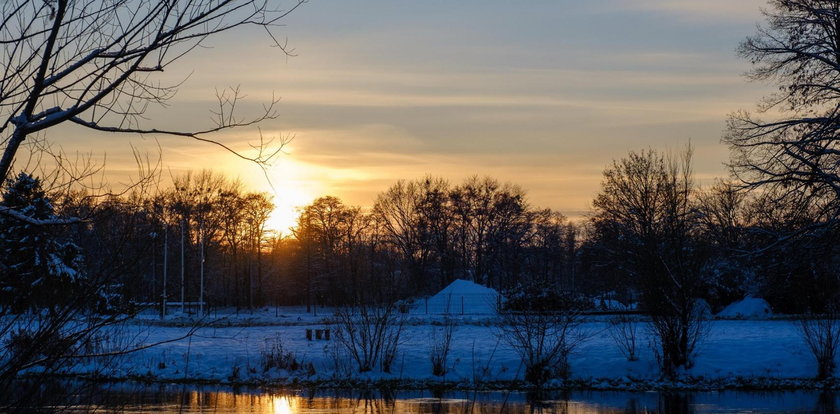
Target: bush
[27,345]
[543,340]
[274,355]
[821,334]
[441,342]
[623,332]
[370,335]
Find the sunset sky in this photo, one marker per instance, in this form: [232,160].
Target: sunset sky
[539,93]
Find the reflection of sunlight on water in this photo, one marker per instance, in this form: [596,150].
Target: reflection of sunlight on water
[282,405]
[227,402]
[421,402]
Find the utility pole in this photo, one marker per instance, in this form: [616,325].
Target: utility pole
[201,285]
[154,237]
[165,261]
[182,266]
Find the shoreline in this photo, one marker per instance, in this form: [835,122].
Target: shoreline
[685,384]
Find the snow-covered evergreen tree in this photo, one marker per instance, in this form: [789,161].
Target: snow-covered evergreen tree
[38,270]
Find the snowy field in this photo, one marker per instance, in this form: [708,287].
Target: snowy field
[232,348]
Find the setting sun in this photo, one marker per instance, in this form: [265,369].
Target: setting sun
[286,203]
[293,185]
[288,181]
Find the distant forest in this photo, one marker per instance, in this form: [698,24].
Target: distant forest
[652,233]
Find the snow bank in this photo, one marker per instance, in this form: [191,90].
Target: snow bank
[461,297]
[749,307]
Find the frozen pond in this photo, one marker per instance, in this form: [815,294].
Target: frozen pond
[186,399]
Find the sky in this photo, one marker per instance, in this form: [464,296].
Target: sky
[540,93]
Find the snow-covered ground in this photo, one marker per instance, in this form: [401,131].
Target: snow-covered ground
[232,347]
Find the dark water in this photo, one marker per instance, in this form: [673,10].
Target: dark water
[180,399]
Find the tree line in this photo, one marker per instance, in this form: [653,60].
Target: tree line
[205,239]
[653,237]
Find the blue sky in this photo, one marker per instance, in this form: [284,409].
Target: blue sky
[540,93]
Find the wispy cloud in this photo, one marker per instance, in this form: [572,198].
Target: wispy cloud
[543,93]
[741,11]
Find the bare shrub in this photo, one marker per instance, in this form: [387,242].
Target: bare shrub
[441,342]
[623,331]
[370,335]
[822,335]
[481,369]
[275,355]
[35,341]
[337,360]
[27,343]
[543,340]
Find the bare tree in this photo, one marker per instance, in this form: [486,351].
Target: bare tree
[92,63]
[333,241]
[724,221]
[400,213]
[796,151]
[790,150]
[490,222]
[370,334]
[258,208]
[643,220]
[543,339]
[821,334]
[623,331]
[54,311]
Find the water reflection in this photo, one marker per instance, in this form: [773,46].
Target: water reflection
[182,399]
[283,405]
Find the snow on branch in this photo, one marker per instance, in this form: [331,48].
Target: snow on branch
[38,222]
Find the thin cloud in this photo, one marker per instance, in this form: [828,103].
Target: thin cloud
[741,11]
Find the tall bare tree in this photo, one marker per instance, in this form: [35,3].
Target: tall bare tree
[795,151]
[644,219]
[793,155]
[92,63]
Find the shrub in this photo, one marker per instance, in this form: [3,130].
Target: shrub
[623,332]
[543,340]
[370,335]
[441,342]
[275,355]
[821,334]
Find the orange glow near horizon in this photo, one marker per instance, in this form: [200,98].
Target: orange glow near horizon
[293,185]
[380,97]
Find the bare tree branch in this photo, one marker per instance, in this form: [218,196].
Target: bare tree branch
[90,62]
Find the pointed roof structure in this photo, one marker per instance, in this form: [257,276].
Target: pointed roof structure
[462,297]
